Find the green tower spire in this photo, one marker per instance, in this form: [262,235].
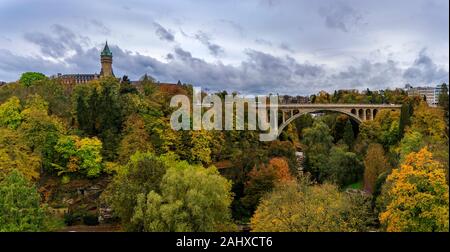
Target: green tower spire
[106,51]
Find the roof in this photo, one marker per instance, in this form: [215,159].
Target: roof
[106,51]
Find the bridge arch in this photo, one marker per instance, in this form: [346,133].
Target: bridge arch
[352,115]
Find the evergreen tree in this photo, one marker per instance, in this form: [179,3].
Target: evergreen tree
[348,136]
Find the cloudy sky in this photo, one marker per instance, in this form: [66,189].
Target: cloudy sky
[254,46]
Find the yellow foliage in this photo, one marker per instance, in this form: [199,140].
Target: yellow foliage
[418,196]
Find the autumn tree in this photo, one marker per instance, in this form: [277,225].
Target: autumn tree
[199,146]
[40,130]
[384,129]
[304,207]
[79,156]
[262,179]
[375,163]
[416,196]
[135,138]
[192,199]
[16,154]
[10,113]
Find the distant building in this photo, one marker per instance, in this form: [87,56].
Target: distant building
[2,83]
[106,70]
[430,93]
[285,99]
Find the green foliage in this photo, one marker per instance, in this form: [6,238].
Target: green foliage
[200,151]
[79,155]
[192,199]
[405,117]
[162,194]
[98,112]
[443,98]
[348,135]
[142,174]
[384,129]
[343,167]
[318,142]
[20,208]
[303,122]
[29,78]
[40,130]
[412,142]
[10,113]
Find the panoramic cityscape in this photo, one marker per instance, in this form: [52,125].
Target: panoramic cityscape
[207,116]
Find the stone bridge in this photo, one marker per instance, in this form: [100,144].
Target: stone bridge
[358,112]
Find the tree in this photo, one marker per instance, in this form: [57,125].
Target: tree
[16,154]
[10,113]
[417,196]
[79,155]
[98,112]
[348,136]
[141,175]
[192,199]
[40,130]
[29,78]
[20,208]
[429,122]
[303,207]
[405,117]
[344,167]
[413,141]
[318,142]
[303,122]
[262,179]
[375,164]
[126,86]
[135,138]
[200,151]
[443,99]
[384,129]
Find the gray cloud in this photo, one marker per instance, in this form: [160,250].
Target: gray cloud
[258,73]
[341,16]
[163,33]
[205,39]
[58,44]
[425,71]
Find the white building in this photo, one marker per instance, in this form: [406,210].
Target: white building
[431,93]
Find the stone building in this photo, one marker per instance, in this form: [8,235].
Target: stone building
[106,70]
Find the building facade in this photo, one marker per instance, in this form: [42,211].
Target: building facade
[431,94]
[106,70]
